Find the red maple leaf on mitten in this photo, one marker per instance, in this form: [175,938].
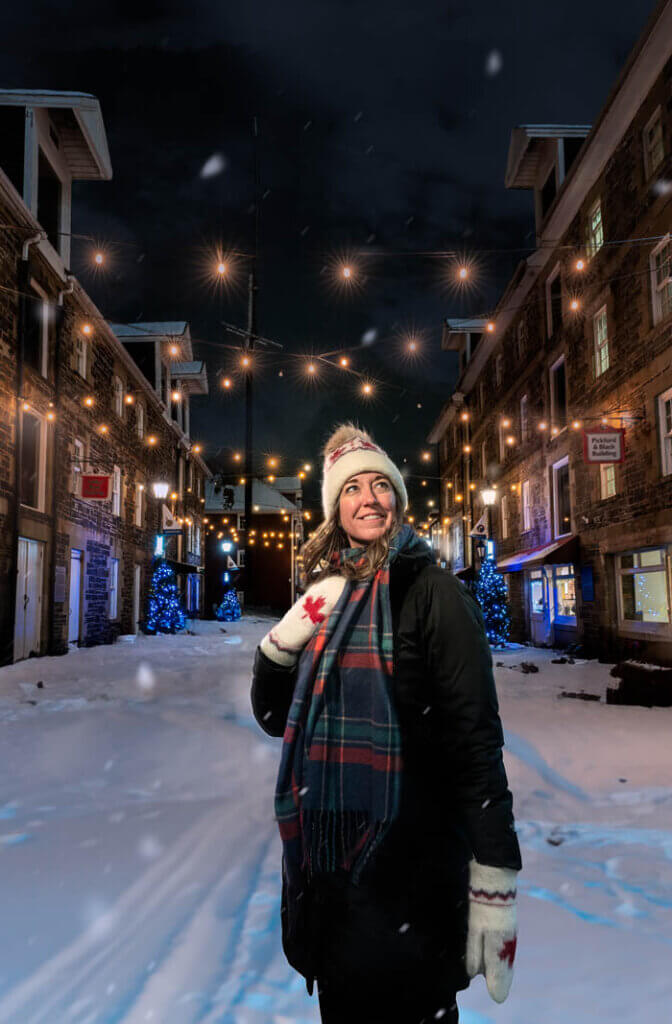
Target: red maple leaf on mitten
[313,606]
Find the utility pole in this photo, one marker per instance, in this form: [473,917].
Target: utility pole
[252,287]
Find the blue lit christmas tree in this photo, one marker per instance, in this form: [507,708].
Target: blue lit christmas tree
[165,612]
[490,592]
[229,609]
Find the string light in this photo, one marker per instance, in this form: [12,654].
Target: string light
[103,428]
[367,389]
[311,368]
[236,456]
[87,329]
[576,424]
[25,406]
[221,269]
[466,449]
[242,480]
[174,350]
[412,345]
[174,496]
[459,497]
[344,361]
[346,272]
[245,361]
[464,417]
[579,265]
[51,416]
[490,327]
[574,305]
[89,401]
[506,422]
[426,456]
[99,258]
[510,440]
[129,399]
[542,425]
[463,273]
[152,440]
[175,396]
[226,382]
[307,467]
[197,449]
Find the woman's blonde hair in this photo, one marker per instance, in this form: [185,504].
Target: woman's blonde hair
[317,553]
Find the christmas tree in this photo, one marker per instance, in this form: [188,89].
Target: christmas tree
[491,595]
[165,613]
[229,609]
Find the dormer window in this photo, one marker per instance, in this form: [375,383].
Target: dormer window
[594,229]
[49,200]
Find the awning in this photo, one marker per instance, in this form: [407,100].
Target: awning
[182,568]
[557,552]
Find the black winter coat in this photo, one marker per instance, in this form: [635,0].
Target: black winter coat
[409,912]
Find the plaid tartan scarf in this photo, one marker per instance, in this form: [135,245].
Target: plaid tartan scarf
[339,783]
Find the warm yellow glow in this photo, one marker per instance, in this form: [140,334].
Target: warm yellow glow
[513,487]
[205,519]
[25,406]
[490,327]
[251,540]
[307,467]
[242,480]
[344,361]
[175,396]
[88,401]
[464,417]
[412,345]
[367,389]
[236,456]
[543,425]
[579,265]
[506,423]
[220,535]
[280,546]
[267,543]
[311,368]
[555,430]
[426,456]
[430,503]
[446,520]
[604,420]
[472,486]
[221,268]
[99,258]
[510,440]
[197,449]
[152,440]
[129,399]
[423,483]
[576,424]
[574,305]
[347,272]
[302,475]
[103,428]
[463,273]
[306,515]
[174,350]
[51,416]
[459,497]
[449,484]
[466,449]
[271,479]
[225,521]
[87,329]
[226,382]
[245,361]
[272,462]
[174,496]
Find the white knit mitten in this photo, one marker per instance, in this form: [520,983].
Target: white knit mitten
[284,643]
[492,928]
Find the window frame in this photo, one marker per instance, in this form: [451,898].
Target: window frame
[41,460]
[139,509]
[526,505]
[524,413]
[77,466]
[82,356]
[663,433]
[632,625]
[115,503]
[594,229]
[649,167]
[504,516]
[555,575]
[550,281]
[601,344]
[43,361]
[118,396]
[605,478]
[657,301]
[556,467]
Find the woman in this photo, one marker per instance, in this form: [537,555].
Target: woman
[399,850]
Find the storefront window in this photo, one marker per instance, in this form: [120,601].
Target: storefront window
[536,593]
[643,587]
[564,593]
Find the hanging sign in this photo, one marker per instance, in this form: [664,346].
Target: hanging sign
[481,527]
[96,486]
[604,444]
[169,524]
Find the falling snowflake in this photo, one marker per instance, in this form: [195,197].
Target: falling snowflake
[404,928]
[303,790]
[149,848]
[369,336]
[213,166]
[493,63]
[662,186]
[145,677]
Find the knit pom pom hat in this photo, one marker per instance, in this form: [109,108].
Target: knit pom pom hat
[350,450]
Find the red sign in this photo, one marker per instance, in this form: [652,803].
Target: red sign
[604,444]
[96,486]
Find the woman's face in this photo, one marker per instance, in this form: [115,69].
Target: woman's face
[366,507]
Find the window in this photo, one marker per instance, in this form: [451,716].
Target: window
[524,418]
[665,427]
[499,364]
[33,469]
[520,339]
[553,301]
[190,476]
[503,434]
[118,396]
[563,590]
[654,148]
[643,588]
[36,333]
[504,516]
[594,229]
[527,509]
[562,516]
[49,191]
[537,592]
[114,588]
[81,356]
[661,279]
[601,340]
[197,540]
[116,491]
[607,480]
[140,420]
[139,499]
[241,558]
[559,394]
[77,465]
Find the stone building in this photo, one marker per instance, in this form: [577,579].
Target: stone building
[578,352]
[74,403]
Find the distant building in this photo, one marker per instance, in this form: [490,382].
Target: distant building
[276,536]
[580,342]
[75,404]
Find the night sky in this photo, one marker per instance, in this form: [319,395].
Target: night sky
[384,128]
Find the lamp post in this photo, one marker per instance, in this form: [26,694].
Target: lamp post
[488,497]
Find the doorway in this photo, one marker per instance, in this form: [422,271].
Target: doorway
[29,581]
[75,596]
[540,623]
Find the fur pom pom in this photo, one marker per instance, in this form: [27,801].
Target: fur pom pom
[344,433]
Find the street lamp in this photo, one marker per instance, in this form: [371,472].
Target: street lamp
[160,491]
[488,496]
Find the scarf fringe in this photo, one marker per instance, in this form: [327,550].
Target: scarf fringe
[339,840]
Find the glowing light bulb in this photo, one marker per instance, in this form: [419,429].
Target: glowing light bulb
[543,425]
[175,396]
[579,265]
[347,273]
[152,440]
[88,401]
[221,269]
[367,389]
[87,329]
[226,382]
[412,345]
[103,428]
[99,258]
[464,417]
[463,273]
[197,449]
[344,361]
[310,368]
[466,449]
[174,350]
[490,327]
[576,424]
[574,305]
[129,399]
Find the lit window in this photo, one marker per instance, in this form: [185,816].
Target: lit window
[594,229]
[140,420]
[139,498]
[527,508]
[564,594]
[642,589]
[118,396]
[504,516]
[654,147]
[607,480]
[661,279]
[601,340]
[665,423]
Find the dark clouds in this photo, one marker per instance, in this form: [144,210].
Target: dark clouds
[379,122]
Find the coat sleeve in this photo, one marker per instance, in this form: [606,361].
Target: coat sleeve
[469,729]
[272,693]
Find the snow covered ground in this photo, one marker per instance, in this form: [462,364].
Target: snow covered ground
[140,861]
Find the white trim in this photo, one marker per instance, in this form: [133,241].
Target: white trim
[139,504]
[601,344]
[550,281]
[632,625]
[504,516]
[116,492]
[607,480]
[665,431]
[594,230]
[78,462]
[665,283]
[41,459]
[649,168]
[113,593]
[526,505]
